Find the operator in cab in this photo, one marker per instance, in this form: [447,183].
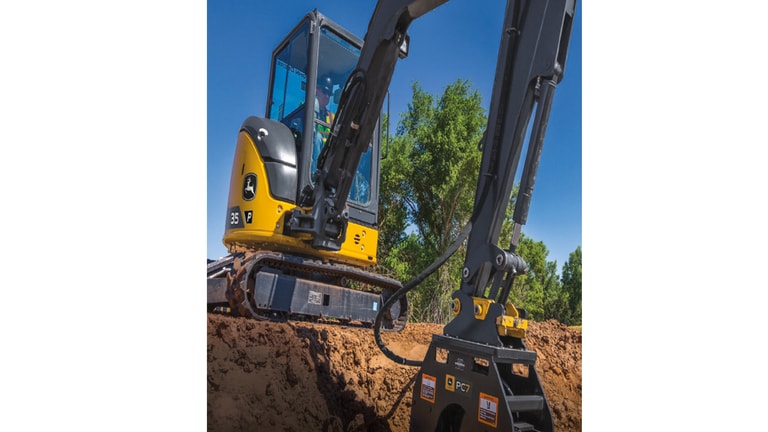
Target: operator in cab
[323,93]
[360,190]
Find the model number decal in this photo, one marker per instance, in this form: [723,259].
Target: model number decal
[457,385]
[233,218]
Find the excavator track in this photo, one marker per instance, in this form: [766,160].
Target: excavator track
[269,285]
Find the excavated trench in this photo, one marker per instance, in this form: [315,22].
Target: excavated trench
[298,376]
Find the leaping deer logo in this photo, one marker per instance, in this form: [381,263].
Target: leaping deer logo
[249,188]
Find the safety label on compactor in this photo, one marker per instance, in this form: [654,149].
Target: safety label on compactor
[428,385]
[487,412]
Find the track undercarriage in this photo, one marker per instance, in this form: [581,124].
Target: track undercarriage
[276,286]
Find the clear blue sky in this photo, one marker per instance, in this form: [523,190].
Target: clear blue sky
[459,39]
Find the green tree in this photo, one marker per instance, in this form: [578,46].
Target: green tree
[536,291]
[556,301]
[427,188]
[428,182]
[394,185]
[571,281]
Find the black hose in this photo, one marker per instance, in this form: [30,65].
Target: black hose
[409,286]
[413,283]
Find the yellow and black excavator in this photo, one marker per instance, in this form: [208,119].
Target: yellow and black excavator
[298,255]
[301,218]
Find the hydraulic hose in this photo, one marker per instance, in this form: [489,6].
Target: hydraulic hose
[409,286]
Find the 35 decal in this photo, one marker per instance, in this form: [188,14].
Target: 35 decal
[234,219]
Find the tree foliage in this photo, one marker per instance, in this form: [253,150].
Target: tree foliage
[443,136]
[428,182]
[572,285]
[427,190]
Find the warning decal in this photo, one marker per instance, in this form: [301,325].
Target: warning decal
[428,384]
[487,411]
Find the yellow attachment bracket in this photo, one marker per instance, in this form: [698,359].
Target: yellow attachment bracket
[456,307]
[482,305]
[511,324]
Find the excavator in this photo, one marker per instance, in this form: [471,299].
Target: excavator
[290,257]
[292,253]
[301,217]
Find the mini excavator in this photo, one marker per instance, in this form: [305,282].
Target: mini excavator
[302,212]
[303,241]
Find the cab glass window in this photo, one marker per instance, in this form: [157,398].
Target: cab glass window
[289,85]
[337,59]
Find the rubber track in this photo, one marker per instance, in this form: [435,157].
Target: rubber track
[237,290]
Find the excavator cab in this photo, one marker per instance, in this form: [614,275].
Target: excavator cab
[309,68]
[274,165]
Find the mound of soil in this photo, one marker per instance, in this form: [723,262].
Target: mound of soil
[298,376]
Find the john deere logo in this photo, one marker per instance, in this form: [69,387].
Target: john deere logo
[249,187]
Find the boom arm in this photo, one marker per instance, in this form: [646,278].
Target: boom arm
[531,63]
[482,347]
[324,215]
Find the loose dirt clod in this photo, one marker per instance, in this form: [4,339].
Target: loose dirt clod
[299,377]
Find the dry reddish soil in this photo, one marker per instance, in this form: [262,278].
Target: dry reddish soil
[298,376]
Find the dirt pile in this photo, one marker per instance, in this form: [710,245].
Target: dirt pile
[300,377]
